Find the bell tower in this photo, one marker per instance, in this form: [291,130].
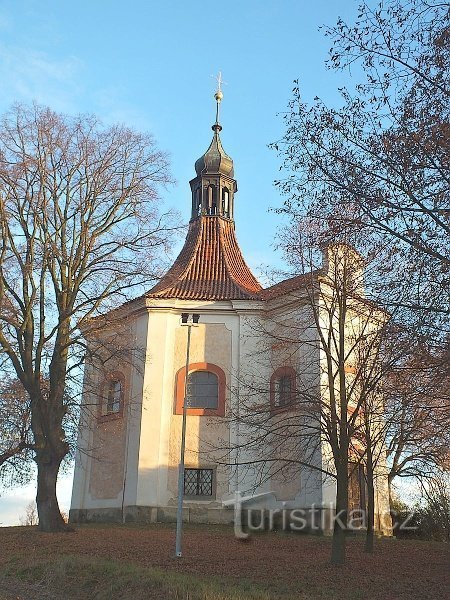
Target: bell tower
[210,265]
[214,187]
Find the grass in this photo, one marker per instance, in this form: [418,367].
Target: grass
[103,562]
[79,578]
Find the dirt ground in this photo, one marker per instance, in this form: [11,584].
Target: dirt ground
[284,565]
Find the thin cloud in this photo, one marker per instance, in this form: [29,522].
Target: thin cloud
[29,75]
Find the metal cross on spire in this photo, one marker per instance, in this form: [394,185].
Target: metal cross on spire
[219,81]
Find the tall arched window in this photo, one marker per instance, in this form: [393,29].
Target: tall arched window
[357,486]
[205,390]
[198,201]
[211,200]
[226,202]
[112,395]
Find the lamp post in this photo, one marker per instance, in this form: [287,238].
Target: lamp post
[188,320]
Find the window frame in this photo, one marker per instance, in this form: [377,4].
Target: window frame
[201,412]
[199,497]
[276,376]
[213,381]
[104,393]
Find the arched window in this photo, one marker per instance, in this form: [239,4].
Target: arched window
[114,396]
[211,200]
[357,487]
[282,388]
[226,202]
[111,396]
[205,390]
[198,199]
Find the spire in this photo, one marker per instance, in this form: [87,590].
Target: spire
[215,159]
[213,188]
[219,97]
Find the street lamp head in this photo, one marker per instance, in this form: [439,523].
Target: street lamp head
[189,319]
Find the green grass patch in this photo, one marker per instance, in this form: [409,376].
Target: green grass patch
[78,578]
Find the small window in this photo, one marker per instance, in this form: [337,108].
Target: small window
[203,390]
[198,482]
[114,396]
[111,396]
[282,388]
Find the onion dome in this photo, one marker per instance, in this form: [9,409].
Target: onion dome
[215,160]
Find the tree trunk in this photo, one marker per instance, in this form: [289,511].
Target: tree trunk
[340,522]
[338,545]
[50,518]
[390,479]
[370,511]
[47,413]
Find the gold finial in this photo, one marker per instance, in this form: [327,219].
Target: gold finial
[219,95]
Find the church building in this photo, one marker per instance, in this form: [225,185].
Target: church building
[130,428]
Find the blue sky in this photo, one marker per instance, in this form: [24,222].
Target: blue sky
[149,64]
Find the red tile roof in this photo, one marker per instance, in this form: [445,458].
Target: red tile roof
[209,267]
[305,280]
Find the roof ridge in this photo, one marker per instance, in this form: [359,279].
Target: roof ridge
[286,286]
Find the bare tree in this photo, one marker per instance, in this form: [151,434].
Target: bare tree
[370,435]
[352,330]
[328,335]
[379,163]
[31,516]
[417,412]
[376,169]
[15,434]
[80,233]
[434,516]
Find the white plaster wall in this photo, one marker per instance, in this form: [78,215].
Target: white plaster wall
[154,420]
[158,453]
[82,497]
[135,410]
[296,344]
[82,461]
